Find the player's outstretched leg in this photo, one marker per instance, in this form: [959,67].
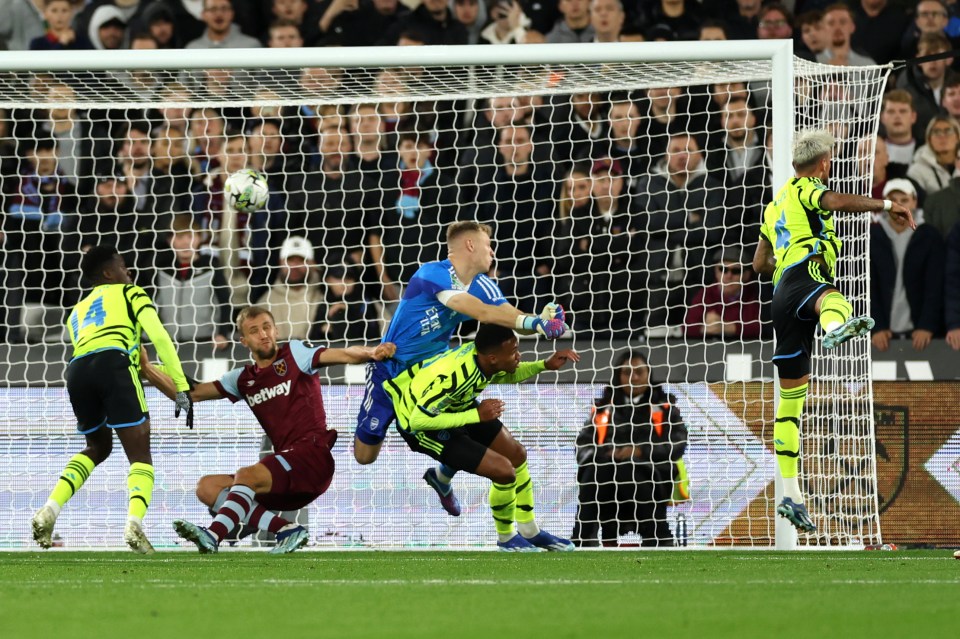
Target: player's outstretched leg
[838,326]
[786,444]
[74,474]
[206,543]
[439,479]
[526,522]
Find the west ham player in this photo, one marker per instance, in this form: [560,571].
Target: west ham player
[283,392]
[439,296]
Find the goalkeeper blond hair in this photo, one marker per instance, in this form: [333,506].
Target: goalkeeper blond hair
[810,146]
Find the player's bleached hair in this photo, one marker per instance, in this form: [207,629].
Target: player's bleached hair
[457,229]
[810,145]
[250,312]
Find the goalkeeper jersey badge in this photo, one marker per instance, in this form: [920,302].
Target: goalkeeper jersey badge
[280,367]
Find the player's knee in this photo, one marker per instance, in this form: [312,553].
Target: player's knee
[518,455]
[503,472]
[207,490]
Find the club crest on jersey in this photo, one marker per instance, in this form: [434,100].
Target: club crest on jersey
[280,367]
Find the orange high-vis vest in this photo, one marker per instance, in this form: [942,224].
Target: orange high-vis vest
[601,420]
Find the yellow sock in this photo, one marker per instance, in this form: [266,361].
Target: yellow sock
[525,521]
[786,436]
[140,486]
[74,474]
[503,503]
[834,310]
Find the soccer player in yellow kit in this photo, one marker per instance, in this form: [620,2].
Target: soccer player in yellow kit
[103,381]
[799,247]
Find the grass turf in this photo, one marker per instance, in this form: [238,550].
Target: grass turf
[461,595]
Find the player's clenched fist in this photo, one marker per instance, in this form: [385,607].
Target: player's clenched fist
[558,359]
[490,409]
[384,351]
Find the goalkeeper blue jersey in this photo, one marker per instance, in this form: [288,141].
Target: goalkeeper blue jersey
[422,326]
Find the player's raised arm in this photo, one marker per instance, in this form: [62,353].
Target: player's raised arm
[504,315]
[849,203]
[357,354]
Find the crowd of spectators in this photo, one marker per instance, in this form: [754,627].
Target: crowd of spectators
[637,209]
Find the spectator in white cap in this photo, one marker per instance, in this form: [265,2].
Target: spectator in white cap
[906,274]
[294,296]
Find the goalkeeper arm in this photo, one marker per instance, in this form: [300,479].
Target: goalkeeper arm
[503,315]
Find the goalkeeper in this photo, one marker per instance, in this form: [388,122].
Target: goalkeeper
[439,296]
[799,247]
[104,387]
[438,415]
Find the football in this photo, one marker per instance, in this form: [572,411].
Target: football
[247,190]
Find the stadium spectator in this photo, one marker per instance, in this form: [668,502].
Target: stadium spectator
[730,307]
[950,98]
[509,24]
[607,19]
[898,118]
[333,216]
[906,274]
[774,22]
[299,14]
[579,127]
[345,313]
[284,34]
[433,21]
[221,32]
[675,19]
[359,22]
[629,149]
[574,26]
[875,148]
[743,24]
[158,20]
[711,30]
[813,32]
[951,288]
[207,126]
[926,81]
[108,27]
[516,204]
[543,16]
[554,246]
[472,14]
[879,29]
[929,16]
[133,161]
[741,148]
[23,21]
[411,228]
[661,110]
[942,208]
[838,19]
[190,290]
[60,35]
[606,254]
[171,182]
[107,217]
[629,457]
[294,296]
[682,200]
[935,162]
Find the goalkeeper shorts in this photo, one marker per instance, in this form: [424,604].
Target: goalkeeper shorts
[795,316]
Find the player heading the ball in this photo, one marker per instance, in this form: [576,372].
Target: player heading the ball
[282,389]
[799,247]
[439,296]
[438,415]
[103,382]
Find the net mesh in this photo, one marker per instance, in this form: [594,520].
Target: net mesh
[621,190]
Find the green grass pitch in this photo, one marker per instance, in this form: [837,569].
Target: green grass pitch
[465,595]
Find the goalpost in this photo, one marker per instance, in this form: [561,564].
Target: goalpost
[142,135]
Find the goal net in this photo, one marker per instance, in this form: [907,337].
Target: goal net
[625,183]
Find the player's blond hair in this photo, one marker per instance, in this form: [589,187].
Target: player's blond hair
[810,145]
[251,312]
[457,229]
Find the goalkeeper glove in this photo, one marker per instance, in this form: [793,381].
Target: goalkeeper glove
[551,329]
[553,311]
[184,402]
